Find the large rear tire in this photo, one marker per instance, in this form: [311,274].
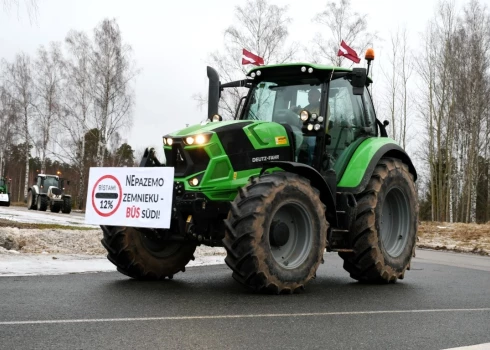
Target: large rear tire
[31,203]
[385,227]
[138,256]
[276,234]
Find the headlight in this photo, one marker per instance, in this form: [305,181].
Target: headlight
[194,181]
[320,119]
[170,141]
[310,127]
[317,127]
[304,115]
[199,139]
[217,118]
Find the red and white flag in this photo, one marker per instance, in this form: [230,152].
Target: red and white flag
[250,58]
[348,52]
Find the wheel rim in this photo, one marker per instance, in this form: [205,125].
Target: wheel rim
[292,249]
[158,248]
[395,222]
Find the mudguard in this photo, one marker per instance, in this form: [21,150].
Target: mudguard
[364,159]
[316,180]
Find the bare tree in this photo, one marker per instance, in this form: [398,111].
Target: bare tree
[31,7]
[18,80]
[261,28]
[473,92]
[50,70]
[405,72]
[392,82]
[8,122]
[78,106]
[343,24]
[456,71]
[398,76]
[112,74]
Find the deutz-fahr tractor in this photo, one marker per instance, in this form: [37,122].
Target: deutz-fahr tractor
[304,167]
[4,192]
[48,191]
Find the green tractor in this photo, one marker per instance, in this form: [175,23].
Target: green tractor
[305,167]
[4,192]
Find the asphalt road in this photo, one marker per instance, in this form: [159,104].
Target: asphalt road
[435,307]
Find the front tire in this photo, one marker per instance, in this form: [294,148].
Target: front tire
[276,233]
[385,227]
[55,207]
[137,256]
[42,203]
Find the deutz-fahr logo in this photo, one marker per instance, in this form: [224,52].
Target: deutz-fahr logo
[265,158]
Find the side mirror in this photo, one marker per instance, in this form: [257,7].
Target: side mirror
[358,81]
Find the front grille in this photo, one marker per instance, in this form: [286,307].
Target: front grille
[186,162]
[56,191]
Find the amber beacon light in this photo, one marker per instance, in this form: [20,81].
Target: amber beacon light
[369,56]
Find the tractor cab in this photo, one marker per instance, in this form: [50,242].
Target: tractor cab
[44,182]
[324,111]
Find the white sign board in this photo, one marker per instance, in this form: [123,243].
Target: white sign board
[4,197]
[138,197]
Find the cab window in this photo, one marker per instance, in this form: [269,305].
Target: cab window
[345,118]
[371,115]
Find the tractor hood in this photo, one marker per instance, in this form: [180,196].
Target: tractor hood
[236,145]
[207,127]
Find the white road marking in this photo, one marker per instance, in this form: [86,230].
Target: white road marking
[485,346]
[211,317]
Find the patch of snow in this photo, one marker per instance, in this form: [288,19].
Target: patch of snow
[22,214]
[54,264]
[27,252]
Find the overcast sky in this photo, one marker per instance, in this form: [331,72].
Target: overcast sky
[172,40]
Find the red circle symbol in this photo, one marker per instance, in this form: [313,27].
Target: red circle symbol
[119,198]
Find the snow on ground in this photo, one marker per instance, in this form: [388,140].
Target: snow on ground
[13,263]
[22,214]
[34,251]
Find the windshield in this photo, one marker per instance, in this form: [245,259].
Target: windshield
[50,181]
[272,101]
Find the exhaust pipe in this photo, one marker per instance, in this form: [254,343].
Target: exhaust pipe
[213,93]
